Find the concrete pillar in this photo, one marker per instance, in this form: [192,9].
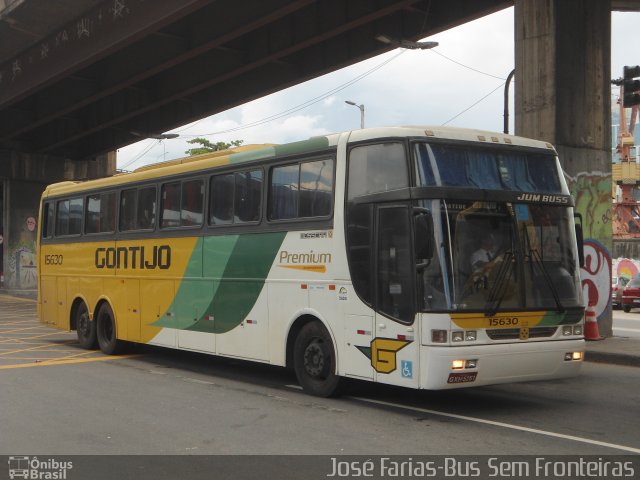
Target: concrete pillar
[563,50]
[23,178]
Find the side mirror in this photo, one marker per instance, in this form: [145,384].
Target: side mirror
[579,238]
[423,234]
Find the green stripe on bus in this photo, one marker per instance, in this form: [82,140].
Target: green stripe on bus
[243,280]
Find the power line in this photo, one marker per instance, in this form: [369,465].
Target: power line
[468,67]
[303,105]
[473,105]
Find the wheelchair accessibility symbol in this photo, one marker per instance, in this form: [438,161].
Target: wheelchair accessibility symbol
[406,369]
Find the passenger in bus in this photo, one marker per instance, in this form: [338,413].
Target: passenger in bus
[481,260]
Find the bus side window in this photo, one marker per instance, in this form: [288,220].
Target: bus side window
[376,169]
[170,206]
[192,203]
[221,200]
[127,209]
[47,217]
[283,194]
[248,194]
[316,186]
[146,211]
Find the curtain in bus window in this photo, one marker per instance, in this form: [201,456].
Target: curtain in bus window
[248,193]
[221,200]
[424,167]
[316,186]
[377,168]
[461,167]
[128,210]
[108,212]
[515,173]
[284,192]
[62,218]
[544,173]
[192,203]
[146,211]
[170,213]
[92,216]
[75,216]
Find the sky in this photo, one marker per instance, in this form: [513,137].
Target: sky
[458,83]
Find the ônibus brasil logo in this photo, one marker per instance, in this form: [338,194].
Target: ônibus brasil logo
[33,468]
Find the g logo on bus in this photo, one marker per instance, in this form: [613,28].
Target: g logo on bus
[524,333]
[382,353]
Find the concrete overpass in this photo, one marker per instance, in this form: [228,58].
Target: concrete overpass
[80,78]
[85,80]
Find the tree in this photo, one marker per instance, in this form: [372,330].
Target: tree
[207,147]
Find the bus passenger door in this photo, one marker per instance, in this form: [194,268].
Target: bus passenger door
[395,349]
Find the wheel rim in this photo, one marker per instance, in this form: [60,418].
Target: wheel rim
[316,359]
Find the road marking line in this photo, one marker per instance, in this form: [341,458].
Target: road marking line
[502,425]
[11,298]
[32,348]
[66,362]
[18,330]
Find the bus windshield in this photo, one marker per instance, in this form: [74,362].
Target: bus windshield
[494,256]
[503,254]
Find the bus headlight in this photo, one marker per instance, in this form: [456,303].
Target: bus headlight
[457,336]
[457,364]
[568,330]
[573,356]
[460,364]
[471,335]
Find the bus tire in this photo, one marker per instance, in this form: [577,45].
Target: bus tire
[85,328]
[314,361]
[106,331]
[626,308]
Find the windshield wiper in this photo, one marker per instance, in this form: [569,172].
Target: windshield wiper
[499,288]
[537,260]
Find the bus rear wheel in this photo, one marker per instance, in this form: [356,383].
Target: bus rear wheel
[85,328]
[106,331]
[314,361]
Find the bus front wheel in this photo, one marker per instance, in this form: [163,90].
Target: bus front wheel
[106,331]
[85,328]
[315,361]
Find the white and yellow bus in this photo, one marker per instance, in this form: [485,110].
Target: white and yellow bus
[346,255]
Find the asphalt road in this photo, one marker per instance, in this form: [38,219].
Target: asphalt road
[626,324]
[58,399]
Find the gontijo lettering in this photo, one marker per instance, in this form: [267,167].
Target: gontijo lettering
[134,257]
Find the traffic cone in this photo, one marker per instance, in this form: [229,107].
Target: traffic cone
[591,331]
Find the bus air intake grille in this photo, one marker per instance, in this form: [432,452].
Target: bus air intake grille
[514,333]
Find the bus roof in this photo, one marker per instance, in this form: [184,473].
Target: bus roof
[248,153]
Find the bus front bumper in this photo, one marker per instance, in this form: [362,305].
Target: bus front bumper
[498,363]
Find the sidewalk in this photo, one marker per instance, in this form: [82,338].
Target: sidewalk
[616,350]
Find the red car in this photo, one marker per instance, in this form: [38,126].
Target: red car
[631,295]
[617,285]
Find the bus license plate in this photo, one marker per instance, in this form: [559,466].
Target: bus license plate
[462,377]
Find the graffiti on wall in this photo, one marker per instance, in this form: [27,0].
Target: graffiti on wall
[596,276]
[592,194]
[626,267]
[21,258]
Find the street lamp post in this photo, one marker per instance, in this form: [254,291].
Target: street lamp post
[361,107]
